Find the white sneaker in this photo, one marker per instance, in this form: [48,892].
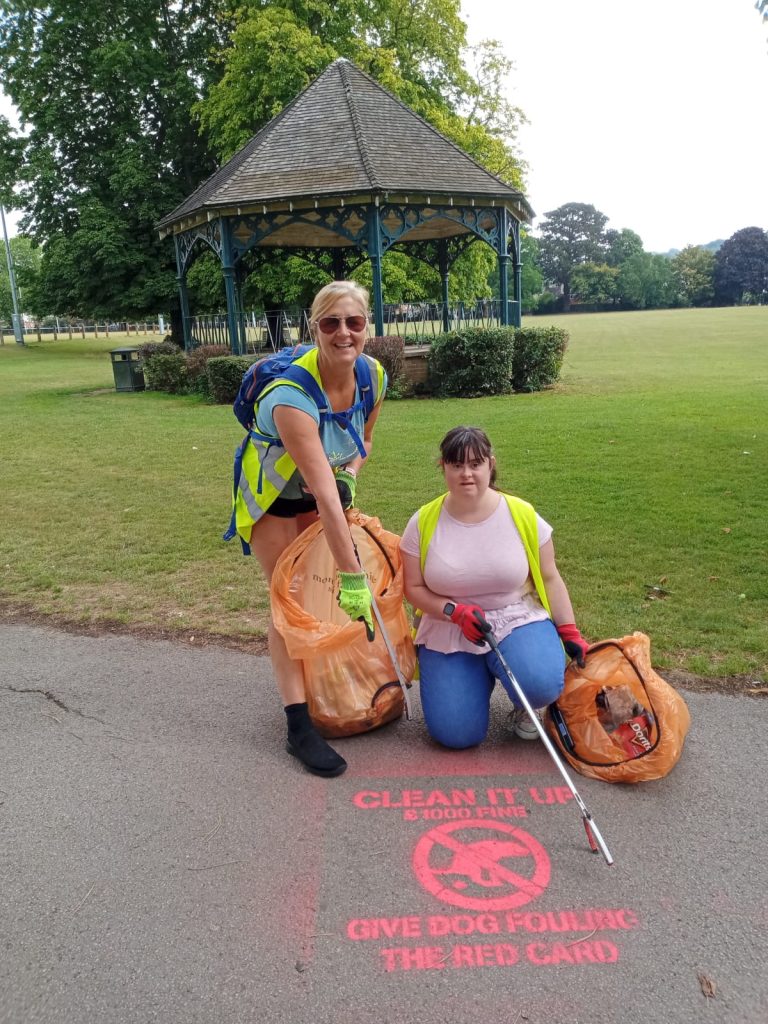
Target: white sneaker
[522,725]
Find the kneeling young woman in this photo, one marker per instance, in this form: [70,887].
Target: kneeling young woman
[477,549]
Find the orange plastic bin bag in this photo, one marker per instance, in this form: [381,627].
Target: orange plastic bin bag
[350,682]
[648,744]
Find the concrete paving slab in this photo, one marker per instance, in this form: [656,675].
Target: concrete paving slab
[163,859]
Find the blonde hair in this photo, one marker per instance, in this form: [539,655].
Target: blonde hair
[328,295]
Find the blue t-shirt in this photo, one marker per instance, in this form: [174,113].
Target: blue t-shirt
[337,443]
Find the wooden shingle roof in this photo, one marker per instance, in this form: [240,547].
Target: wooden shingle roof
[344,135]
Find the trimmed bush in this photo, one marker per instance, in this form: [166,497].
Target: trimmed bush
[538,357]
[197,360]
[388,349]
[153,348]
[224,375]
[472,362]
[166,371]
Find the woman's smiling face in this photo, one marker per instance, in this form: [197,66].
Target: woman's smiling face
[338,342]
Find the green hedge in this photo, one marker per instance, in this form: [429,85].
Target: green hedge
[224,375]
[467,363]
[472,362]
[478,361]
[166,371]
[538,357]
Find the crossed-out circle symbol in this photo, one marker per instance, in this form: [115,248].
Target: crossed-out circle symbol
[479,864]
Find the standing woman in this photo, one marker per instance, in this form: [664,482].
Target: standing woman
[477,549]
[299,465]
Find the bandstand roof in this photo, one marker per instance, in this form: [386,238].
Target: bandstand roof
[345,140]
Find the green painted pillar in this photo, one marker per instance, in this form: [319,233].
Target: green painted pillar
[228,271]
[503,254]
[374,255]
[517,272]
[240,311]
[442,264]
[181,284]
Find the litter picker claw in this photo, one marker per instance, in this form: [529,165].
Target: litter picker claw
[404,685]
[596,842]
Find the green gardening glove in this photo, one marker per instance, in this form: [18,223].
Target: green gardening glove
[346,485]
[355,599]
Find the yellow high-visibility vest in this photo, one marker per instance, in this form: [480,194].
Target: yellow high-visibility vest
[271,462]
[524,518]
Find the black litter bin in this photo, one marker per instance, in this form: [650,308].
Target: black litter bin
[128,369]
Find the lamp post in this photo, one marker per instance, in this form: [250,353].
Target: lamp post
[18,331]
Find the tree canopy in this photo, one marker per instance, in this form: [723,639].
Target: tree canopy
[741,266]
[26,269]
[127,105]
[571,235]
[105,91]
[693,270]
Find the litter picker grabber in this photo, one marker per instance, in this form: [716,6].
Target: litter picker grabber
[596,841]
[391,652]
[385,637]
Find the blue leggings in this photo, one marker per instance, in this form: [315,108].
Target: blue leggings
[456,688]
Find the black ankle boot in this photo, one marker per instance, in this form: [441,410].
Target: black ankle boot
[306,743]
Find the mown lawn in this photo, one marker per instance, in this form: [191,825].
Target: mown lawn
[649,459]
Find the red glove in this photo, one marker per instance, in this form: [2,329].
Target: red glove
[464,617]
[574,643]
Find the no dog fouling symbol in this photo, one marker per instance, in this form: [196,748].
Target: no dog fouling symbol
[481,865]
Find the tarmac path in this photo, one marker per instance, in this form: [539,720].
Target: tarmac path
[162,858]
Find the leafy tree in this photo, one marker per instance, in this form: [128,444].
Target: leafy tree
[645,281]
[594,283]
[126,101]
[26,268]
[532,279]
[105,89]
[11,150]
[620,245]
[417,51]
[741,266]
[693,271]
[571,235]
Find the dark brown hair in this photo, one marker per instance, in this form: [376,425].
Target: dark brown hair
[462,441]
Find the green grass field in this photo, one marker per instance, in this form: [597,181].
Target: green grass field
[649,459]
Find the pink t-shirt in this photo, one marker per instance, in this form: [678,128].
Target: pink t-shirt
[477,563]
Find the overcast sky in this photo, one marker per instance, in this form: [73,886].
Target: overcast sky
[654,112]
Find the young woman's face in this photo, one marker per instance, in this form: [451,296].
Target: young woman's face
[341,330]
[470,478]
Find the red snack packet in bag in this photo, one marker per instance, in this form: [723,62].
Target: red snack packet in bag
[633,735]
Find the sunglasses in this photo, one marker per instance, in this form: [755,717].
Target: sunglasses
[331,324]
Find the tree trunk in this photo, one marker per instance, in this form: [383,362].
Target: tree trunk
[177,327]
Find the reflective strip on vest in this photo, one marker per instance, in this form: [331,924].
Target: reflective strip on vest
[524,518]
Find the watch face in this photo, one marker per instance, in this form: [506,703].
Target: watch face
[449,608]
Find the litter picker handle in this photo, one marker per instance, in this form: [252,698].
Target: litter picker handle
[596,842]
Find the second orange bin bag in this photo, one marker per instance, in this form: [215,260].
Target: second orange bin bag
[625,723]
[351,684]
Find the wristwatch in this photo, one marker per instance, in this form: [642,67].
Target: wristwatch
[449,608]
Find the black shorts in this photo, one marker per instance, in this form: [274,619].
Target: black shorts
[289,508]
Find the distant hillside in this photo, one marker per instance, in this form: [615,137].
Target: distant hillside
[714,246]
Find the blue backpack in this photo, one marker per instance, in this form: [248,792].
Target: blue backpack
[281,367]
